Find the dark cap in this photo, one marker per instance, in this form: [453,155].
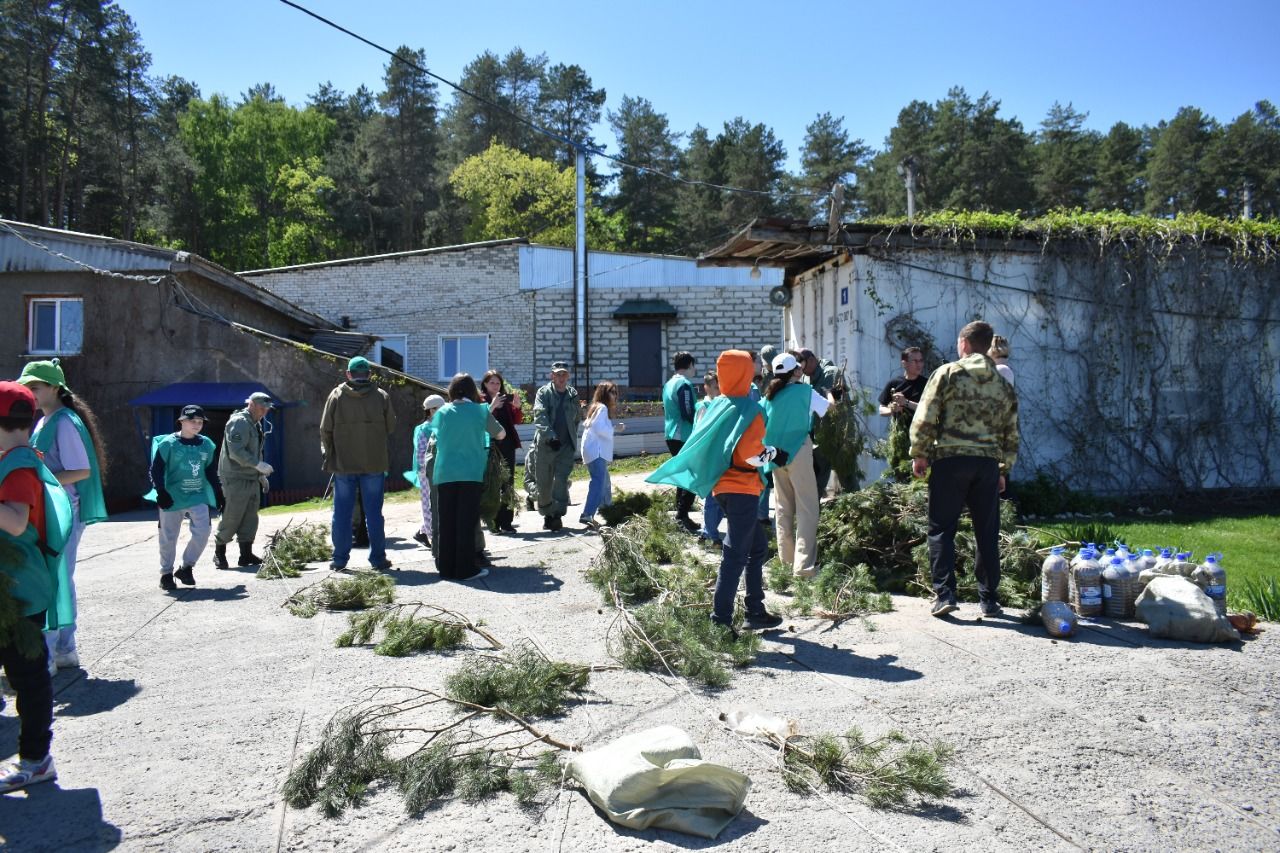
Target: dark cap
[806,354]
[16,401]
[359,364]
[190,413]
[559,367]
[261,399]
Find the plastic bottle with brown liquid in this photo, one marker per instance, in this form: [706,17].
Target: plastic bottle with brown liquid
[1115,588]
[1086,596]
[1053,576]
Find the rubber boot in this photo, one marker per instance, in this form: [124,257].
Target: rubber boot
[220,557]
[247,557]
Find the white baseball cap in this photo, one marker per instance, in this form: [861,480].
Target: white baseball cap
[784,363]
[435,401]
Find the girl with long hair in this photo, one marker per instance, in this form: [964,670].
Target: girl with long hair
[504,403]
[68,436]
[597,450]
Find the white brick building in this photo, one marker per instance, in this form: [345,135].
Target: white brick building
[508,305]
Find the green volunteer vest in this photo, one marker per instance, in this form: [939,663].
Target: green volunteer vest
[461,443]
[184,466]
[40,574]
[93,506]
[412,474]
[676,427]
[787,419]
[708,452]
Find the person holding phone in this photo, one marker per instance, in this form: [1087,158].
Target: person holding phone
[504,403]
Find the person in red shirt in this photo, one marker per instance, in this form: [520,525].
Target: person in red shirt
[22,511]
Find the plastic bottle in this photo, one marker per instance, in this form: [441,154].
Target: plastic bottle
[1053,576]
[1215,582]
[1133,567]
[1115,588]
[1058,618]
[1165,558]
[1104,558]
[1148,560]
[1087,594]
[1083,555]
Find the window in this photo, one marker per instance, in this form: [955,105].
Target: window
[464,354]
[393,352]
[55,326]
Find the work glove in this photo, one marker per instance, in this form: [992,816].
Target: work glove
[763,458]
[554,444]
[264,482]
[164,500]
[781,458]
[264,469]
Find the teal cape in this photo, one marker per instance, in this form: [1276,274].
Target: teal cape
[708,453]
[60,607]
[93,507]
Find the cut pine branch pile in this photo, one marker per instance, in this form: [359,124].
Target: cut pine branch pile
[358,592]
[410,627]
[888,771]
[292,547]
[432,746]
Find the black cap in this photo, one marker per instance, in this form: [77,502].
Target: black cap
[190,413]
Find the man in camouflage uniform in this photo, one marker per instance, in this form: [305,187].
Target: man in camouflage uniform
[556,419]
[966,429]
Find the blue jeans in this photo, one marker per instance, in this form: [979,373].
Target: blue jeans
[344,504]
[745,546]
[711,518]
[599,490]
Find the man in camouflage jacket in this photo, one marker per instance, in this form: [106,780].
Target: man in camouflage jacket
[966,429]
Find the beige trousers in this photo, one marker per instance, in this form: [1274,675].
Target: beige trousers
[796,489]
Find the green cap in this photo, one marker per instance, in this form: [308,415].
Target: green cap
[47,372]
[359,364]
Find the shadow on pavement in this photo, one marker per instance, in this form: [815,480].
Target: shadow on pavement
[1103,633]
[741,826]
[519,580]
[86,696]
[839,661]
[47,817]
[213,593]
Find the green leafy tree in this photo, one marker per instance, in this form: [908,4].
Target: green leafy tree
[1177,178]
[827,157]
[1064,156]
[510,194]
[646,201]
[1118,166]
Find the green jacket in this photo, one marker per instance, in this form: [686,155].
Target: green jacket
[241,448]
[967,409]
[545,403]
[93,506]
[37,569]
[676,425]
[354,428]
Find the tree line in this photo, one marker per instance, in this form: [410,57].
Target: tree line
[89,140]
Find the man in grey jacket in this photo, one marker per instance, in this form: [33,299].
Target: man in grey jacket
[244,479]
[556,418]
[357,420]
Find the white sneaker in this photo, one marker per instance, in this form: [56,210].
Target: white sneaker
[26,773]
[67,660]
[53,665]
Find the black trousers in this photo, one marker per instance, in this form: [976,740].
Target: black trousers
[507,515]
[29,678]
[954,483]
[459,508]
[684,499]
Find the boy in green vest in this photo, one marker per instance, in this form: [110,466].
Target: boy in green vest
[678,399]
[25,503]
[185,476]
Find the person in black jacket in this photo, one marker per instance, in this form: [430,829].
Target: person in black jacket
[504,403]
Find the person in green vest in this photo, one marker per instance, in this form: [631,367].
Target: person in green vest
[70,440]
[556,418]
[35,521]
[185,477]
[678,409]
[462,429]
[243,475]
[789,407]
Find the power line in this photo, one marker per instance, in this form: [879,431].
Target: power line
[550,134]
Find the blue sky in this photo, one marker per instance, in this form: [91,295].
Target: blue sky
[777,63]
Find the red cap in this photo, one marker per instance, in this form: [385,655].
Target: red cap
[16,401]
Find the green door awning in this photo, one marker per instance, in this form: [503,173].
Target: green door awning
[634,309]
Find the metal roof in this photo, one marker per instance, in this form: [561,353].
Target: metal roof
[391,256]
[552,267]
[644,308]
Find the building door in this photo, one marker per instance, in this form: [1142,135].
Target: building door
[644,354]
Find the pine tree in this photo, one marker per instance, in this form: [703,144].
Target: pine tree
[1177,180]
[827,157]
[646,201]
[1119,162]
[1064,157]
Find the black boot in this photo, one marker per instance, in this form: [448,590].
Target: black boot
[220,557]
[247,557]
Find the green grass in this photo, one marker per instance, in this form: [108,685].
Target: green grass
[630,465]
[1247,543]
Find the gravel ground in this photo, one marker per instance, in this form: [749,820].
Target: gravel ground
[191,708]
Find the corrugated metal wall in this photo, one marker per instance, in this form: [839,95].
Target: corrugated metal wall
[551,266]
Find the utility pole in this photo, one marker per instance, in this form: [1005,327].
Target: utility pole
[580,263]
[907,171]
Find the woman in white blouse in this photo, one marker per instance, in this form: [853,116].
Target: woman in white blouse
[597,449]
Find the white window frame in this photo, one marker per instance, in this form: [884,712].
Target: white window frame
[460,336]
[58,302]
[376,355]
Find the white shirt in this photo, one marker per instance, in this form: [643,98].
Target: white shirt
[818,404]
[597,438]
[1006,371]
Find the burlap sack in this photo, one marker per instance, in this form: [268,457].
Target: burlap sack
[1175,608]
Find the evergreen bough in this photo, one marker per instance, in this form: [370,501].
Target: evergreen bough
[16,630]
[359,592]
[292,547]
[883,771]
[523,681]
